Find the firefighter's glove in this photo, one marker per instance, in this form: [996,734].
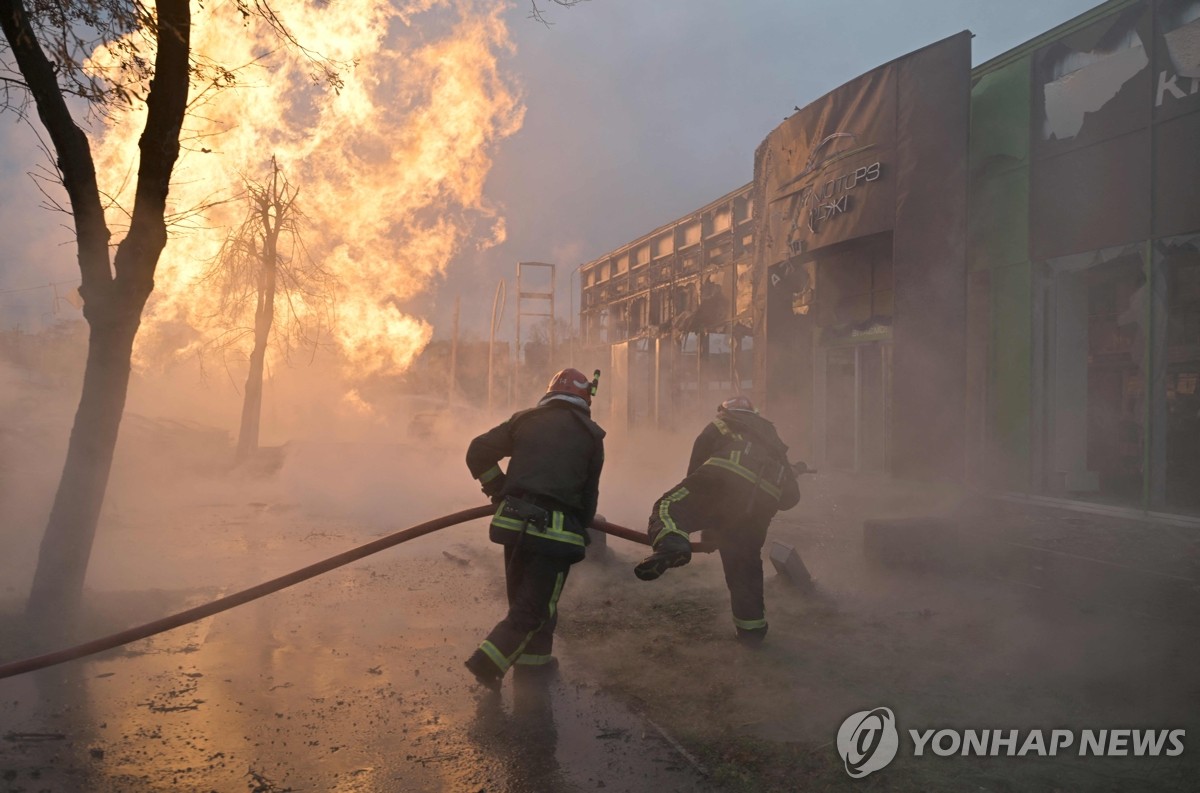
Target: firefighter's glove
[493,487]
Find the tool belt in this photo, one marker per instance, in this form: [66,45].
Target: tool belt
[523,524]
[526,512]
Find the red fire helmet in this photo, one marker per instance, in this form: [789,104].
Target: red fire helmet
[573,382]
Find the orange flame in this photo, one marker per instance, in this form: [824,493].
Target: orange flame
[390,169]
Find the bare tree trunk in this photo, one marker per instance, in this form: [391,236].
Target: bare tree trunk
[264,316]
[67,543]
[113,295]
[271,212]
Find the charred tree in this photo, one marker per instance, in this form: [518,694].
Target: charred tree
[271,208]
[264,318]
[264,260]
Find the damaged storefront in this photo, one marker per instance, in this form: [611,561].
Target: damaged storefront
[861,261]
[988,275]
[1085,261]
[788,289]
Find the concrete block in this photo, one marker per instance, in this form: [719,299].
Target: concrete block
[790,566]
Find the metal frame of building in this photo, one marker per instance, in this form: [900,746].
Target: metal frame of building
[690,276]
[652,285]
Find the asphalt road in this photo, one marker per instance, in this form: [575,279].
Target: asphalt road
[350,682]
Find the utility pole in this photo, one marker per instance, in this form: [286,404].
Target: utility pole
[499,300]
[572,316]
[523,297]
[454,352]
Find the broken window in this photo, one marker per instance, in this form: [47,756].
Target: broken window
[1097,356]
[1094,82]
[1177,84]
[638,315]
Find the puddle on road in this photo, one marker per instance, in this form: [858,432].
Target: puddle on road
[563,737]
[350,682]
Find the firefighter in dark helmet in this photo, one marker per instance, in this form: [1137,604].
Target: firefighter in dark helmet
[738,478]
[545,501]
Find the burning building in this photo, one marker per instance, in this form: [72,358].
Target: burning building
[947,272]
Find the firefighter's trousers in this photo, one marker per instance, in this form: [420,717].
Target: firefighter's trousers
[727,510]
[525,636]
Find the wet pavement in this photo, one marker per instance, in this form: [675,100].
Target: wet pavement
[350,682]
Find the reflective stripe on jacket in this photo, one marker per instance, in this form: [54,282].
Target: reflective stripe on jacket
[555,452]
[748,447]
[770,482]
[561,536]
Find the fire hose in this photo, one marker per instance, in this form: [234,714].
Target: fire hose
[282,582]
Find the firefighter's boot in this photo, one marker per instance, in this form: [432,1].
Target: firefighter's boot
[670,550]
[751,637]
[485,671]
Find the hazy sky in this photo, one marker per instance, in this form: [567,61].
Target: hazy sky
[637,112]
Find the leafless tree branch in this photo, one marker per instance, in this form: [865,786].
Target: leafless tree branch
[538,15]
[305,289]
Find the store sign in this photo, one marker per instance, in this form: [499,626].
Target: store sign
[814,199]
[831,198]
[815,204]
[816,170]
[1183,51]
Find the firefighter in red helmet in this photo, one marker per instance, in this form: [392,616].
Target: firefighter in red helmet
[738,477]
[544,503]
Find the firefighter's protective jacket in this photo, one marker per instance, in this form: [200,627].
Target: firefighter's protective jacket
[746,445]
[556,453]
